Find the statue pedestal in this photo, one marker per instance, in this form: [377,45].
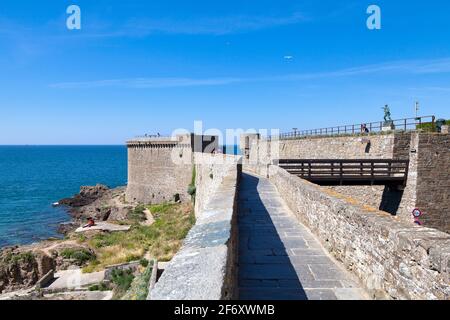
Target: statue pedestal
[388,126]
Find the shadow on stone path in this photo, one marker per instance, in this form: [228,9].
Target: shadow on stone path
[279,259]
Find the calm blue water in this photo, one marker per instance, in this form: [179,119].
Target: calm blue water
[232,149]
[33,177]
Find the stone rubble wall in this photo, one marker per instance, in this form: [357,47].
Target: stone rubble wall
[428,183]
[205,268]
[346,147]
[392,258]
[370,195]
[433,180]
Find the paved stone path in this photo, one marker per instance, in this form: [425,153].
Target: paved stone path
[80,295]
[104,226]
[279,258]
[75,279]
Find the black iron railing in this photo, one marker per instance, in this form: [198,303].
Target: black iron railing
[407,124]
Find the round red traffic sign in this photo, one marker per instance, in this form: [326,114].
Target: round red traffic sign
[417,213]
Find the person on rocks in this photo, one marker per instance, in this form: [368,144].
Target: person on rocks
[90,223]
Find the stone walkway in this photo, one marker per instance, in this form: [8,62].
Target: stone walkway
[75,279]
[279,258]
[104,226]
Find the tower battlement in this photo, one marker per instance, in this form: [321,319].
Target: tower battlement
[160,168]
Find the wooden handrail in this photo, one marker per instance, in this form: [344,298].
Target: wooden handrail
[343,171]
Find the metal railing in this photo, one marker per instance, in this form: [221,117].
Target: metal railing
[156,138]
[407,124]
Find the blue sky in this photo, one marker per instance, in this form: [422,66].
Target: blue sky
[154,66]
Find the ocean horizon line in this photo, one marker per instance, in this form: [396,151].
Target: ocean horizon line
[62,145]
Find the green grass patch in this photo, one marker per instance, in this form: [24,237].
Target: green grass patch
[137,215]
[162,239]
[99,287]
[158,209]
[192,190]
[81,256]
[429,126]
[21,257]
[139,287]
[122,280]
[194,174]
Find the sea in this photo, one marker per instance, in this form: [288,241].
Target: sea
[32,178]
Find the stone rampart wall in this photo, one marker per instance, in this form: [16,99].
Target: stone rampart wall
[205,268]
[394,259]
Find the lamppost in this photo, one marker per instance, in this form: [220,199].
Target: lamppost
[417,108]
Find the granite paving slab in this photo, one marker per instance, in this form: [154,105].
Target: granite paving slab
[279,258]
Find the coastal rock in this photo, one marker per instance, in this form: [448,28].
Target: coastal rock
[22,266]
[100,212]
[103,204]
[67,227]
[97,202]
[111,206]
[119,213]
[22,269]
[87,195]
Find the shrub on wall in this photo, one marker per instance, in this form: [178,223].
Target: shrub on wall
[122,280]
[138,289]
[429,126]
[191,188]
[138,214]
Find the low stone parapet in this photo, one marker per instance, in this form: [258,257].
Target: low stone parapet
[45,280]
[205,267]
[393,259]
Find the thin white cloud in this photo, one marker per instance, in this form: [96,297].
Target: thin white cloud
[413,67]
[396,67]
[140,27]
[433,89]
[437,66]
[143,83]
[27,42]
[208,26]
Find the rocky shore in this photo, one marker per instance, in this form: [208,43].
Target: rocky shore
[110,260]
[21,267]
[97,202]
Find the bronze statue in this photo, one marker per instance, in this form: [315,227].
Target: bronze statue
[387,114]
